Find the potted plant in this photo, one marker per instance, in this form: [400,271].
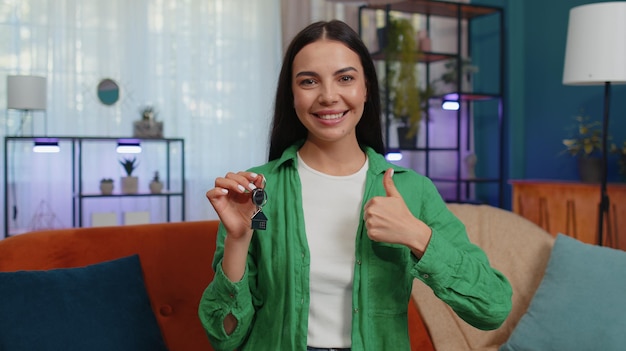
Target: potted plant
[130,183]
[586,145]
[402,55]
[148,126]
[155,184]
[450,74]
[106,186]
[148,113]
[621,152]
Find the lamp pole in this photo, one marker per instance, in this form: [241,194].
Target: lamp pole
[604,206]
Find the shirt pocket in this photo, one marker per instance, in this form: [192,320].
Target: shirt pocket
[389,333]
[389,280]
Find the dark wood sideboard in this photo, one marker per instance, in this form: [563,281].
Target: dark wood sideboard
[571,208]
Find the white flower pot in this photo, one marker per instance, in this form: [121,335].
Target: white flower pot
[156,187]
[130,185]
[106,188]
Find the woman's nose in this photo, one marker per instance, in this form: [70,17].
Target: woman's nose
[328,95]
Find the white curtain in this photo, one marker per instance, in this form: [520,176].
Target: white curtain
[297,14]
[209,67]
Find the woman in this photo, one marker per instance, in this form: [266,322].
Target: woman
[346,232]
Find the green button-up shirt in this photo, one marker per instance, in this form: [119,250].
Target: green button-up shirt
[271,302]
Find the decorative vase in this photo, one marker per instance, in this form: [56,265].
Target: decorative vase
[470,165]
[381,35]
[156,187]
[106,188]
[403,141]
[590,169]
[130,185]
[423,41]
[148,128]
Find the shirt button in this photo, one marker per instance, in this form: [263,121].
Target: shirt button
[358,262]
[425,276]
[166,310]
[356,310]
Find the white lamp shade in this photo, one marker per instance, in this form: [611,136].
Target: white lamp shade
[596,44]
[26,92]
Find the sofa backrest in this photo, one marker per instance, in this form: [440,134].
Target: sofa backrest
[175,257]
[176,260]
[516,247]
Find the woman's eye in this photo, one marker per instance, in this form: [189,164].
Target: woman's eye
[307,82]
[346,79]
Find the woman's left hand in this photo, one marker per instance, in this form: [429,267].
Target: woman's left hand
[388,220]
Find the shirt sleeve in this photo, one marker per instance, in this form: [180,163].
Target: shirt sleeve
[459,272]
[223,297]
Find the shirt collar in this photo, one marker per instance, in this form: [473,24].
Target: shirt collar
[377,162]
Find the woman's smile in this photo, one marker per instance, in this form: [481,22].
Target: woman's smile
[331,118]
[328,117]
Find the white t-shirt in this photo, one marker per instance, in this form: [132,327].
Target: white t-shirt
[332,211]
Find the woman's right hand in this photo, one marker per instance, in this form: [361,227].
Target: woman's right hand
[231,199]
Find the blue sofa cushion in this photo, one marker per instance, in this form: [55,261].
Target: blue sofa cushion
[103,306]
[580,303]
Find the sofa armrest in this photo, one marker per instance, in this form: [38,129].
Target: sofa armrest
[516,247]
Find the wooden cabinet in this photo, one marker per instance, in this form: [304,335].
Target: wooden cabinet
[572,208]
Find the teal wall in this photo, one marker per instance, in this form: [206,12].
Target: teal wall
[539,108]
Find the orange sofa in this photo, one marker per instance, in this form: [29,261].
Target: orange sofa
[176,262]
[176,259]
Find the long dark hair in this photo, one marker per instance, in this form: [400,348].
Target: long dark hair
[287,128]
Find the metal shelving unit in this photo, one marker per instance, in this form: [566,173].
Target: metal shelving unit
[173,178]
[463,14]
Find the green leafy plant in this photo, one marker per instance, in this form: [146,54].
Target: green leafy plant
[450,73]
[621,152]
[129,164]
[148,113]
[106,180]
[402,55]
[586,140]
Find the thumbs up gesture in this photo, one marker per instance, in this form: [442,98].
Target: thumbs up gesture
[388,219]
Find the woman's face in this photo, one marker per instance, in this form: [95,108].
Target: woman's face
[329,90]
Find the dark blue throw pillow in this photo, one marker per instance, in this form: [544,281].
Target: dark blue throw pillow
[98,307]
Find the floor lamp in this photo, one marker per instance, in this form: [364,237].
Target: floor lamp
[595,54]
